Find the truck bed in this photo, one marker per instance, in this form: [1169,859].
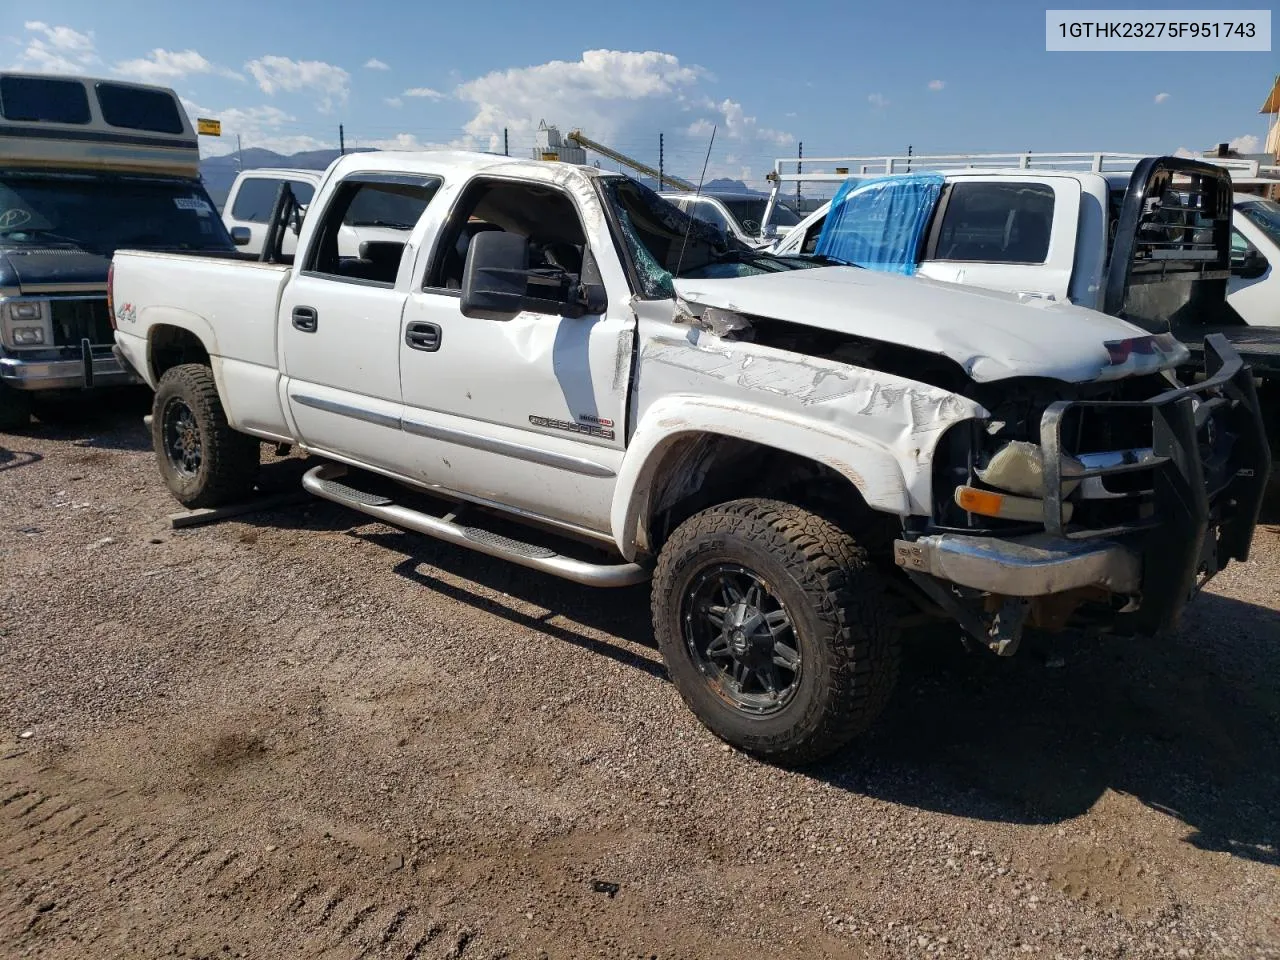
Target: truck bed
[230,304]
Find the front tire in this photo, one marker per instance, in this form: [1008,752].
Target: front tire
[204,462]
[775,629]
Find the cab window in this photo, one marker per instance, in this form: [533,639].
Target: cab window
[996,223]
[390,205]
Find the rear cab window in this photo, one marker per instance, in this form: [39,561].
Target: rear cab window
[984,222]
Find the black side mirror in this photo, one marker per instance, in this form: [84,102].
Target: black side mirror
[496,276]
[1249,267]
[497,282]
[241,236]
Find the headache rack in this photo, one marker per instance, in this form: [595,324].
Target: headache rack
[797,170]
[1199,514]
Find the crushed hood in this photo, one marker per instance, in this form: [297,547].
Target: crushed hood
[992,335]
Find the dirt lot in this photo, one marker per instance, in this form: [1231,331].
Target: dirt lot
[304,735]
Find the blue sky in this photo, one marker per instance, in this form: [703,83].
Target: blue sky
[843,78]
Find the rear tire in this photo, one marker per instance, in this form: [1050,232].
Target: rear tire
[204,462]
[15,408]
[775,629]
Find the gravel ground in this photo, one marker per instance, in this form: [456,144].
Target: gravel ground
[303,735]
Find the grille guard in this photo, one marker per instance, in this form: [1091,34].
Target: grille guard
[1192,531]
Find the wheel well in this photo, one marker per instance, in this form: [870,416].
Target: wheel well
[701,471]
[168,347]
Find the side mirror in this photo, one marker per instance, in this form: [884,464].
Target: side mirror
[241,236]
[496,276]
[497,282]
[1249,267]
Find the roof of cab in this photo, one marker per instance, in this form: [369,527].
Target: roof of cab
[439,162]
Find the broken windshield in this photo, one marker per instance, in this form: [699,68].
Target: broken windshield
[664,243]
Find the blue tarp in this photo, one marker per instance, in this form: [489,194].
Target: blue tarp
[878,224]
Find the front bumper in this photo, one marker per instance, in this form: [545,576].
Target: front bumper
[1031,566]
[64,374]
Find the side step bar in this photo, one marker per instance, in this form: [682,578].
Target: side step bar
[322,481]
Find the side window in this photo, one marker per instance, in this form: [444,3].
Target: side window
[254,200]
[545,215]
[810,243]
[382,210]
[708,213]
[302,192]
[1241,248]
[996,223]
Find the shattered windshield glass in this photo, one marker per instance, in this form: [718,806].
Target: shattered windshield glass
[663,243]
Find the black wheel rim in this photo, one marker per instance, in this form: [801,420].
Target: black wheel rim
[742,638]
[181,437]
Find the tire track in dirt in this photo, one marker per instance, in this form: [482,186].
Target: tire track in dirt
[66,842]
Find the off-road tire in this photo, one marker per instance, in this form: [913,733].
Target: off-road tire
[847,632]
[229,460]
[15,408]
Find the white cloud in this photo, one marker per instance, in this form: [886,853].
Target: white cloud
[401,141]
[936,85]
[424,92]
[329,83]
[737,125]
[1162,97]
[878,100]
[55,49]
[605,93]
[393,102]
[162,66]
[1185,152]
[1246,144]
[373,63]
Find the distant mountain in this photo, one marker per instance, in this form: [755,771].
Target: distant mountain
[220,172]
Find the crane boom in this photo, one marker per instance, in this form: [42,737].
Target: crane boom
[586,143]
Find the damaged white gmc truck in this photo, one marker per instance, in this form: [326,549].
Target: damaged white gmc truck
[557,367]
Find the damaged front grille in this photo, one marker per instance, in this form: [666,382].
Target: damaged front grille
[1194,491]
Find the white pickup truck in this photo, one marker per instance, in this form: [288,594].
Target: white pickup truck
[799,455]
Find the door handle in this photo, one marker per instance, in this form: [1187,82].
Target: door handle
[423,336]
[306,319]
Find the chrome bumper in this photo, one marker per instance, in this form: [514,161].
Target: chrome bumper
[23,374]
[1032,566]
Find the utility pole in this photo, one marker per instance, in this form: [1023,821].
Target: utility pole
[661,158]
[908,158]
[799,170]
[506,152]
[239,156]
[342,140]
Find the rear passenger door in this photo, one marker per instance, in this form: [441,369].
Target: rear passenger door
[1015,234]
[251,204]
[340,321]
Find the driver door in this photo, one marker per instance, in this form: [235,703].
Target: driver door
[526,411]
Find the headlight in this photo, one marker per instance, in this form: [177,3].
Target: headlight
[26,323]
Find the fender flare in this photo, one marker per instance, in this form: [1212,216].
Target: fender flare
[866,463]
[168,316]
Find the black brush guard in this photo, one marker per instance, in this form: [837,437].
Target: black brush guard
[1193,529]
